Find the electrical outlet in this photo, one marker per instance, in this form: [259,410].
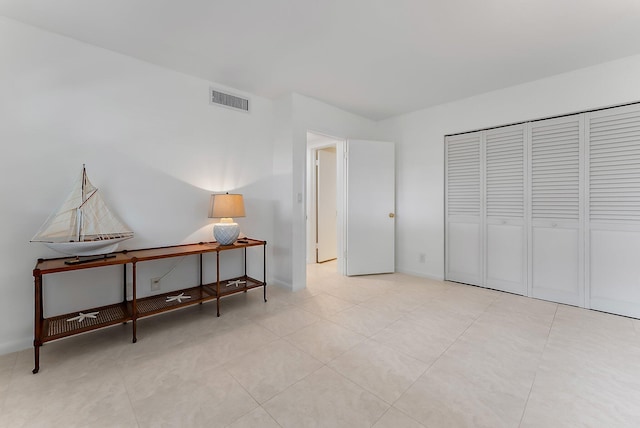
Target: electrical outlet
[155,284]
[423,258]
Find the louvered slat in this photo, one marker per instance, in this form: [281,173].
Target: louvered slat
[463,175]
[504,150]
[555,170]
[614,167]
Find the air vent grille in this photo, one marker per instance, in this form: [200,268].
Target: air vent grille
[228,100]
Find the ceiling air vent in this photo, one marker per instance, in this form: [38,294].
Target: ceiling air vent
[228,100]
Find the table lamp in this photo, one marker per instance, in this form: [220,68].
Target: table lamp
[225,206]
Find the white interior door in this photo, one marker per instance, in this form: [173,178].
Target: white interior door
[326,232]
[505,178]
[613,207]
[556,233]
[464,205]
[370,207]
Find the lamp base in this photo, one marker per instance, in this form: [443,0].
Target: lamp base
[226,233]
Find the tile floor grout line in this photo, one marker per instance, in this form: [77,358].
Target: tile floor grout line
[338,355]
[533,382]
[291,386]
[361,387]
[133,409]
[400,351]
[408,416]
[273,418]
[381,416]
[245,390]
[430,366]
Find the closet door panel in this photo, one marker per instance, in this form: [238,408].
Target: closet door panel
[615,277]
[463,207]
[464,243]
[505,178]
[614,210]
[505,257]
[556,263]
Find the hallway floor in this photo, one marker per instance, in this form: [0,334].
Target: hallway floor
[383,351]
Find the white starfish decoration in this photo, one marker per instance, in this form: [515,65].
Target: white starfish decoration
[177,298]
[82,316]
[237,283]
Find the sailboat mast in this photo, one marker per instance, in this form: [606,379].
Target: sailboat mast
[79,213]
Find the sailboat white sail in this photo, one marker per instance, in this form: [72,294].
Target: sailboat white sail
[83,226]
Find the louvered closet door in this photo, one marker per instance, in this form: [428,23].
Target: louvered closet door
[613,246]
[505,209]
[556,235]
[463,198]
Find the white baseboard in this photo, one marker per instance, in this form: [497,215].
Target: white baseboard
[279,284]
[420,274]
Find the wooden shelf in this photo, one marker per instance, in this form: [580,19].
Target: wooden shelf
[57,327]
[227,290]
[156,304]
[47,266]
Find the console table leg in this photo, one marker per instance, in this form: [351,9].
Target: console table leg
[134,323]
[201,276]
[134,301]
[36,357]
[264,269]
[218,282]
[38,320]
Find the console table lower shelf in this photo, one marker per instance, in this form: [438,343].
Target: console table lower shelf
[60,326]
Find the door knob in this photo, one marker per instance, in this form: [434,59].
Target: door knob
[391,215]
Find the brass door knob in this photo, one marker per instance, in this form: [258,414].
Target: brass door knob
[391,215]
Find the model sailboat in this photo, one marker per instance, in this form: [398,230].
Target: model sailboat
[83,226]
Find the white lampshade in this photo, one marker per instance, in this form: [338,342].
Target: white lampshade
[225,207]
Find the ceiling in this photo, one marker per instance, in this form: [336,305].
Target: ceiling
[375,58]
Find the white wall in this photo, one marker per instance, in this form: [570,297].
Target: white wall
[151,143]
[282,168]
[420,145]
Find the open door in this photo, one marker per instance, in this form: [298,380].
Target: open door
[370,207]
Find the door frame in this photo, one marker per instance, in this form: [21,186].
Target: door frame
[310,239]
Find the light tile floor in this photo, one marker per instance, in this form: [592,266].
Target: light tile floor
[376,351]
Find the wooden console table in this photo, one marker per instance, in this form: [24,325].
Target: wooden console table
[57,327]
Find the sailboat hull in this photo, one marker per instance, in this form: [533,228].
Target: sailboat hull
[84,225]
[86,248]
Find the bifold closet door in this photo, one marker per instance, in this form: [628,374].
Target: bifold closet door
[505,243]
[613,246]
[463,208]
[556,232]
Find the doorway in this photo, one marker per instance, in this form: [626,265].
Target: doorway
[365,199]
[326,207]
[323,189]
